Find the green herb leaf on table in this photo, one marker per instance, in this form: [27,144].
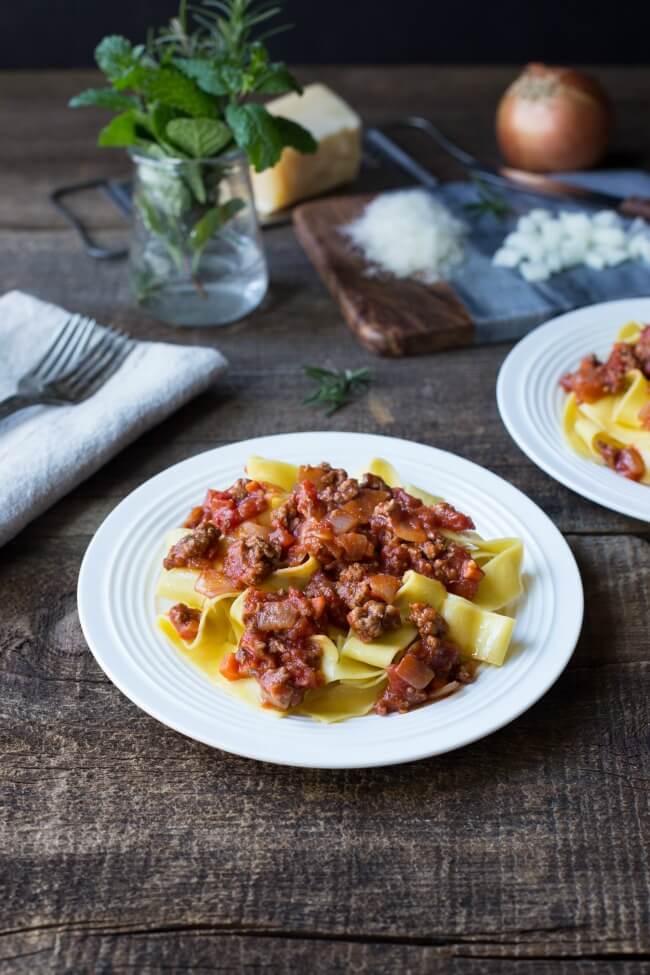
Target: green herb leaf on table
[199,137]
[336,388]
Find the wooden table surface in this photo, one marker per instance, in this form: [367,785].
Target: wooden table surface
[129,848]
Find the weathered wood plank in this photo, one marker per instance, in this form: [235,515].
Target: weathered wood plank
[531,842]
[203,950]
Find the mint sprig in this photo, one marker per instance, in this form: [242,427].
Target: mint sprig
[207,73]
[191,94]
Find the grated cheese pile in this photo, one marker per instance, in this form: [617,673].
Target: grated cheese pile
[408,234]
[543,243]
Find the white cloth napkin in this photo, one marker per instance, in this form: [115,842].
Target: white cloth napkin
[46,450]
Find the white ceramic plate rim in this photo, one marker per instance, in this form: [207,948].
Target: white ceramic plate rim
[399,738]
[594,329]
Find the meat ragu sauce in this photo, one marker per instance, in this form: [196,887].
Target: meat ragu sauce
[594,379]
[365,536]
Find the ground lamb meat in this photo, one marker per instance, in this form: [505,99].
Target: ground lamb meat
[326,601]
[239,490]
[642,351]
[347,490]
[249,560]
[185,621]
[195,550]
[278,689]
[431,667]
[373,482]
[428,620]
[323,475]
[450,564]
[395,556]
[373,618]
[284,522]
[352,584]
[276,647]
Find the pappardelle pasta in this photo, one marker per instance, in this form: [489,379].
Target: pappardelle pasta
[304,591]
[607,412]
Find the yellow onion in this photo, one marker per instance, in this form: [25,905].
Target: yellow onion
[552,118]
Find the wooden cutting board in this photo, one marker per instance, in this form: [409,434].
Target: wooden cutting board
[390,316]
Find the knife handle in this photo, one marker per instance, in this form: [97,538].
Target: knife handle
[636,206]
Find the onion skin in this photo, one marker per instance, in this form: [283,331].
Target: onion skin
[553,119]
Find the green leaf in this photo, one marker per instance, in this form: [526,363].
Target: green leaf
[211,221]
[103,98]
[200,138]
[336,388]
[157,121]
[263,136]
[159,227]
[207,75]
[116,57]
[121,131]
[295,135]
[275,80]
[194,179]
[170,87]
[205,228]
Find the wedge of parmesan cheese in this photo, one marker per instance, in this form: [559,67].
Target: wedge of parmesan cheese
[337,130]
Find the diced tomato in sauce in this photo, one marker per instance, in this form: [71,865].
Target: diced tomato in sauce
[594,379]
[624,460]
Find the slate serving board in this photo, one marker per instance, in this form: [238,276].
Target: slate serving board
[479,302]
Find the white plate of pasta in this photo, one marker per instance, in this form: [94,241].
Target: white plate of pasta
[575,397]
[311,600]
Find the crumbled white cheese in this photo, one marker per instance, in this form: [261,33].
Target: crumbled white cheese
[544,243]
[409,234]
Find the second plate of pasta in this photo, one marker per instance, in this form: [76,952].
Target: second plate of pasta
[591,432]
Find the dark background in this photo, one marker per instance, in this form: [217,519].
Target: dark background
[63,33]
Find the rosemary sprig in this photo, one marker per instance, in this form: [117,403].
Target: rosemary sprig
[488,202]
[336,388]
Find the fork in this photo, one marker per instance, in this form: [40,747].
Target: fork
[72,368]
